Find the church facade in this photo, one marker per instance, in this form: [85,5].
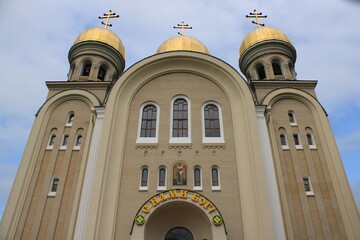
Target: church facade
[181,146]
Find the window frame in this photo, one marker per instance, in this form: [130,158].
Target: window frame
[205,139]
[161,188]
[49,145]
[173,139]
[278,62]
[297,146]
[84,64]
[309,192]
[286,146]
[76,145]
[64,146]
[294,122]
[144,188]
[257,67]
[70,119]
[311,135]
[52,193]
[200,187]
[148,139]
[213,187]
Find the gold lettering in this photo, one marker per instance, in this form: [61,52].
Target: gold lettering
[207,204]
[195,197]
[212,209]
[162,197]
[154,201]
[202,201]
[183,194]
[173,194]
[146,209]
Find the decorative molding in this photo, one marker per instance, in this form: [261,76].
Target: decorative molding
[271,84]
[66,85]
[214,146]
[180,146]
[146,146]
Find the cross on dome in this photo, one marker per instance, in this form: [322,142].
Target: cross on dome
[182,26]
[256,15]
[107,16]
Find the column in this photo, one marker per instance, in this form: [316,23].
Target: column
[275,208]
[89,175]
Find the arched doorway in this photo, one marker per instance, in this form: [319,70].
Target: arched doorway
[178,220]
[179,233]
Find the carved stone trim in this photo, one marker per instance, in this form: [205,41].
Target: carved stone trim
[180,146]
[214,146]
[146,146]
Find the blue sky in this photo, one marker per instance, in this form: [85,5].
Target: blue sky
[37,35]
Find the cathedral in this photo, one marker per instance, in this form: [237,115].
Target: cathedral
[181,146]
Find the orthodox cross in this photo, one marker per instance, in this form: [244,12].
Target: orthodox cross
[108,15]
[256,15]
[182,26]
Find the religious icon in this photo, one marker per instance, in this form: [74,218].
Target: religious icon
[179,174]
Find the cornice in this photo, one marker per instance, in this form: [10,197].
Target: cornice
[66,85]
[265,84]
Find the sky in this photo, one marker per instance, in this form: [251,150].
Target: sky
[35,37]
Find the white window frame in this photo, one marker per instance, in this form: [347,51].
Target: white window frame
[49,147]
[311,192]
[180,139]
[53,193]
[77,147]
[68,122]
[198,188]
[144,188]
[286,141]
[148,139]
[205,139]
[161,188]
[63,147]
[215,188]
[299,146]
[294,123]
[313,145]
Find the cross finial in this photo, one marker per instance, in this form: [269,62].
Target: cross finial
[256,15]
[108,15]
[182,26]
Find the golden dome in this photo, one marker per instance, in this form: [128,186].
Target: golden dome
[182,42]
[103,35]
[262,34]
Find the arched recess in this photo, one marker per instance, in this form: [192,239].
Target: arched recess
[246,137]
[331,154]
[178,208]
[17,197]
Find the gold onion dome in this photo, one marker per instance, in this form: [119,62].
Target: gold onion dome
[103,35]
[262,34]
[182,42]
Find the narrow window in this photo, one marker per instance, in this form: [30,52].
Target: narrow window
[276,67]
[297,140]
[70,119]
[283,141]
[310,140]
[260,71]
[53,186]
[78,141]
[51,141]
[65,141]
[180,118]
[197,178]
[144,178]
[162,178]
[215,179]
[212,123]
[292,118]
[308,185]
[148,123]
[102,72]
[86,69]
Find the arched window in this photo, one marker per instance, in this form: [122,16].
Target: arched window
[260,71]
[297,141]
[51,141]
[65,141]
[292,118]
[180,125]
[276,67]
[310,138]
[283,141]
[212,123]
[70,119]
[148,122]
[197,178]
[78,141]
[215,178]
[86,68]
[144,178]
[179,233]
[102,72]
[162,178]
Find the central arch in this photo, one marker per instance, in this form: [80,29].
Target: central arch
[178,215]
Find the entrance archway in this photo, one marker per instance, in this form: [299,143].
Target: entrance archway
[178,215]
[179,233]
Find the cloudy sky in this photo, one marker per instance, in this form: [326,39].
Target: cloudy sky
[35,37]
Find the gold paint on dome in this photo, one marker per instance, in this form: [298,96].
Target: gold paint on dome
[103,35]
[262,34]
[182,42]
